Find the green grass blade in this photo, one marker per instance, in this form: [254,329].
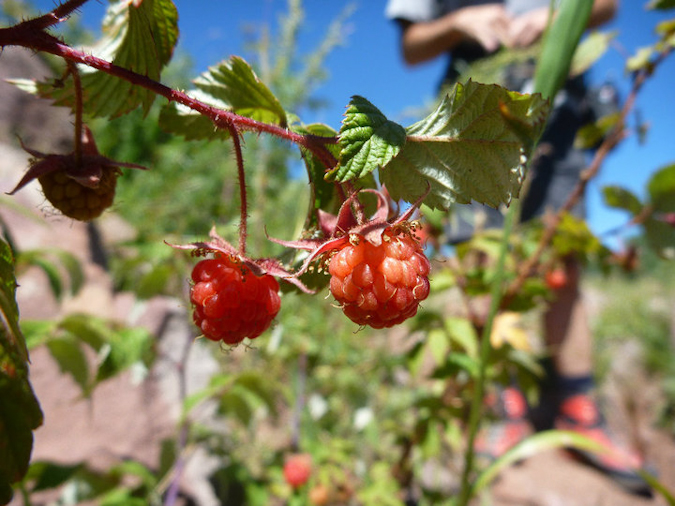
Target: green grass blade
[560,42]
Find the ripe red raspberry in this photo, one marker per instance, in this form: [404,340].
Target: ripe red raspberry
[556,279]
[380,285]
[77,201]
[230,302]
[297,469]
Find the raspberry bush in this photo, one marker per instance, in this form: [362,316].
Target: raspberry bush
[474,146]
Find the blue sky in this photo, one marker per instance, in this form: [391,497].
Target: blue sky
[369,64]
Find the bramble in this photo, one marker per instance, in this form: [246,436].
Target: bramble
[231,302]
[380,285]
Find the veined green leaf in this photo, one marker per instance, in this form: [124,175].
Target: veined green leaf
[128,346]
[20,412]
[234,83]
[368,140]
[474,146]
[69,355]
[138,36]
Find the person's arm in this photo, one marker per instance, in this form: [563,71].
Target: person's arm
[485,24]
[527,28]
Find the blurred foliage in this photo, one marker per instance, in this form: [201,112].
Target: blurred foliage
[637,310]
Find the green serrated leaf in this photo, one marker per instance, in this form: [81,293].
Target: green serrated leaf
[37,332]
[48,475]
[92,331]
[368,141]
[234,83]
[470,148]
[68,353]
[622,198]
[52,273]
[438,345]
[138,36]
[20,412]
[10,311]
[462,332]
[128,346]
[73,267]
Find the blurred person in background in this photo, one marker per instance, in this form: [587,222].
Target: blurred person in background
[465,31]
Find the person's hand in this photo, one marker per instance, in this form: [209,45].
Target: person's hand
[487,25]
[526,29]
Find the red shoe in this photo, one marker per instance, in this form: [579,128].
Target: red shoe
[579,413]
[510,428]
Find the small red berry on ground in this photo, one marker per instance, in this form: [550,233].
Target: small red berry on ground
[556,279]
[380,285]
[297,469]
[230,302]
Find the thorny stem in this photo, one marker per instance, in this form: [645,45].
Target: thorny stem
[617,134]
[77,84]
[58,15]
[30,34]
[241,175]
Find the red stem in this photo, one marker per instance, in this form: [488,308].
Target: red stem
[29,34]
[77,83]
[243,227]
[59,14]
